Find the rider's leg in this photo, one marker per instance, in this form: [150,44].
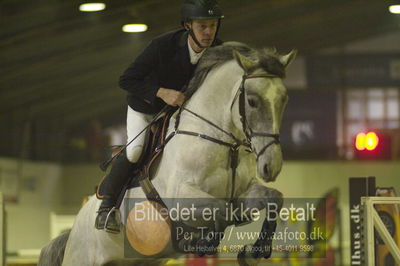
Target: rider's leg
[123,166]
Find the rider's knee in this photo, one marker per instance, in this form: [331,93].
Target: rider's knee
[133,154]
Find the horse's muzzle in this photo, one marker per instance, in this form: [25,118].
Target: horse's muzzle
[269,164]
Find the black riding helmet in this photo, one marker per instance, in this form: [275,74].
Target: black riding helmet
[200,9]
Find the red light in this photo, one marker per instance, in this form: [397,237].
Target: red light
[367,141]
[375,144]
[371,141]
[360,141]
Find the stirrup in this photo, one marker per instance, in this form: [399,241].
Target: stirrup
[117,216]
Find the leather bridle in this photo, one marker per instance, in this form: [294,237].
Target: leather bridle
[247,130]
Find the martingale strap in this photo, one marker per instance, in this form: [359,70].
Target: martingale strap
[234,147]
[233,152]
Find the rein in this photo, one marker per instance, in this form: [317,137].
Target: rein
[248,132]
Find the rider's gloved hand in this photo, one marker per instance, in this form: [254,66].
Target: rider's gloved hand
[171,97]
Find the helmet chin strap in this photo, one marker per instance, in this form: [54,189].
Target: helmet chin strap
[191,33]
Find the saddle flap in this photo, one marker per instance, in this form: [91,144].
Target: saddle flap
[155,141]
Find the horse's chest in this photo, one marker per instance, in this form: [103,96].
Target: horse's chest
[207,165]
[217,182]
[216,177]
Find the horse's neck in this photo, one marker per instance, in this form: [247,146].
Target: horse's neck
[214,97]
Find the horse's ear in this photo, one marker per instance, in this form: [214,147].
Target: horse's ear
[287,59]
[243,61]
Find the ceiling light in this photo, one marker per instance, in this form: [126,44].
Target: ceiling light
[92,7]
[395,9]
[134,28]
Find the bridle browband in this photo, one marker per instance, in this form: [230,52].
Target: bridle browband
[248,132]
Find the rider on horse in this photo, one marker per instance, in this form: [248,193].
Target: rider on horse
[153,80]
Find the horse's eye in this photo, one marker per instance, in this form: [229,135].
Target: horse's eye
[252,103]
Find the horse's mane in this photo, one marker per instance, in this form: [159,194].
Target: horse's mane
[266,59]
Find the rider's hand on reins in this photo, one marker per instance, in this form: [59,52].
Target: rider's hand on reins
[171,97]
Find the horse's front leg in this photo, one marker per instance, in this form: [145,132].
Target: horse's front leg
[259,197]
[208,220]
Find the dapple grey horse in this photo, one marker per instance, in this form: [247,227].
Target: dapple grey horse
[224,150]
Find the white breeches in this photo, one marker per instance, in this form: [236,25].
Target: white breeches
[136,122]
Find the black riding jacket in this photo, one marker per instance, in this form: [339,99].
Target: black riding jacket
[165,62]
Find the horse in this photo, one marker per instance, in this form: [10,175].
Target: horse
[223,149]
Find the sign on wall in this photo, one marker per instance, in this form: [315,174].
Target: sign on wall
[358,187]
[309,125]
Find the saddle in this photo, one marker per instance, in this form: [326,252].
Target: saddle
[155,142]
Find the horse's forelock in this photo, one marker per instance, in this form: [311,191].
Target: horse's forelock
[271,64]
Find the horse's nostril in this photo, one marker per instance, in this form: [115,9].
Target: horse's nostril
[266,170]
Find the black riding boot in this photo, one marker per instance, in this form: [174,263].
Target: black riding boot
[108,216]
